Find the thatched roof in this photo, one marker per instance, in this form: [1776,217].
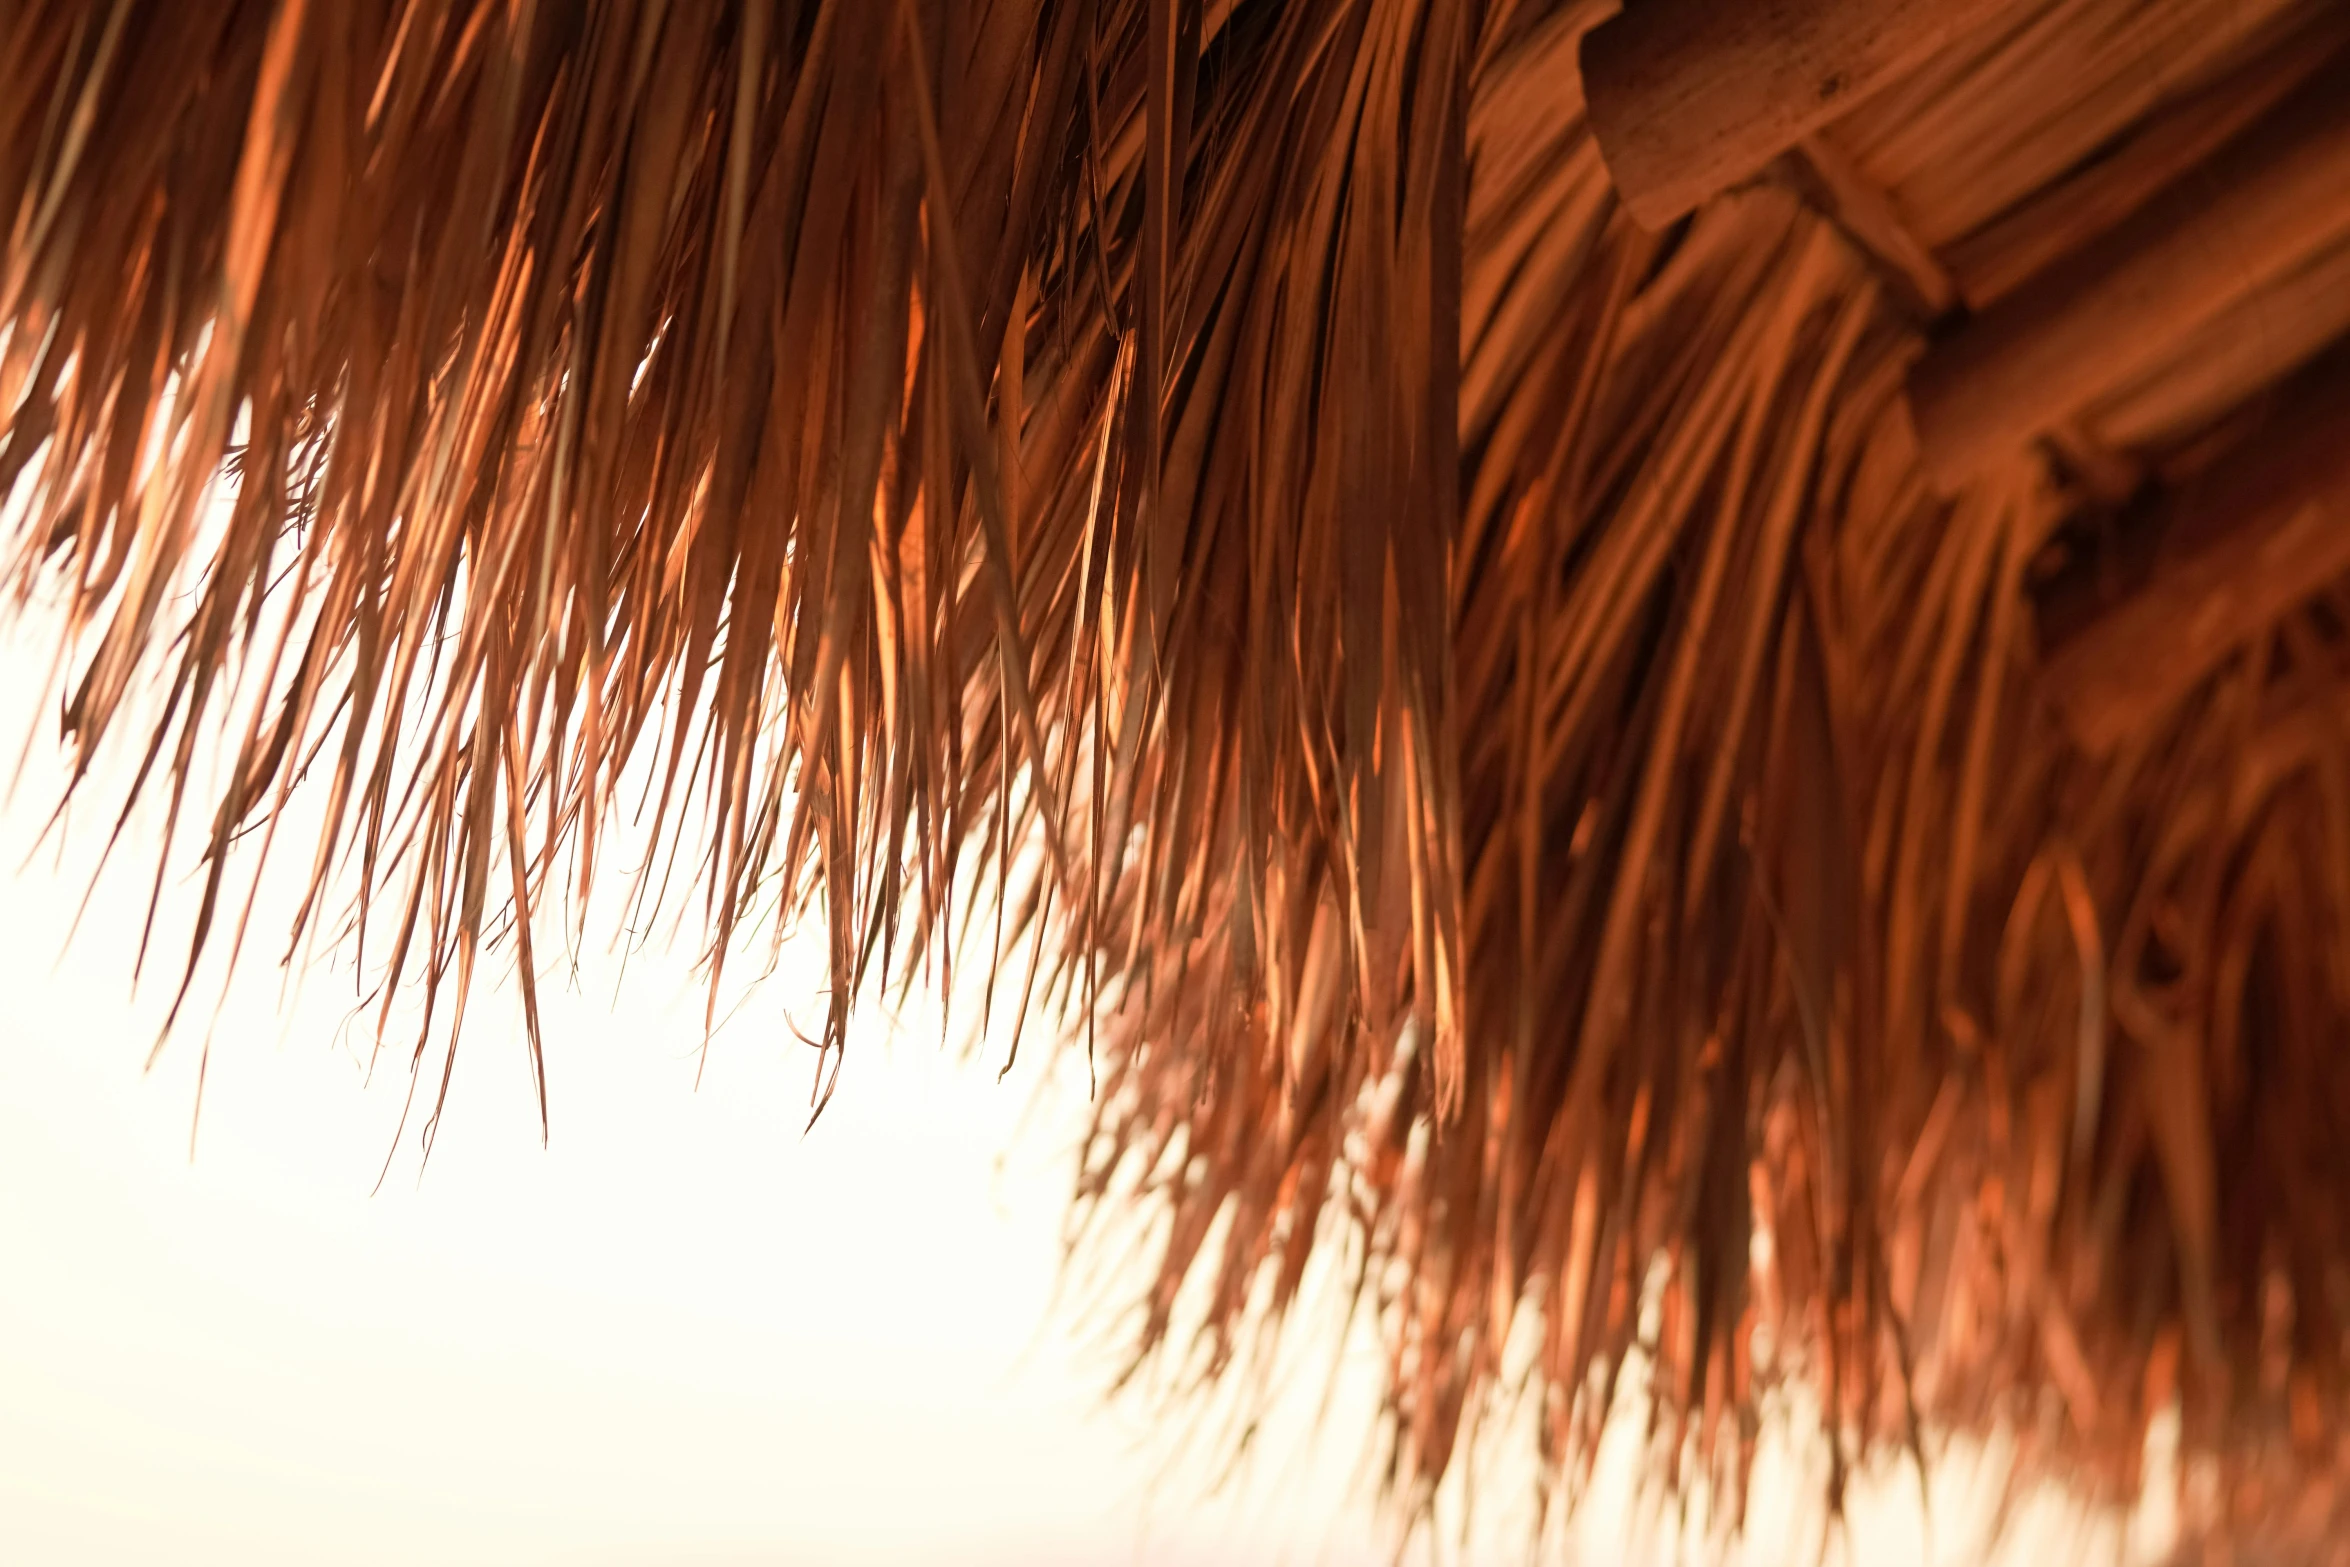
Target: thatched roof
[1560,689]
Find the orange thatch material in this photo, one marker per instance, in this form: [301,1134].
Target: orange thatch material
[1516,756]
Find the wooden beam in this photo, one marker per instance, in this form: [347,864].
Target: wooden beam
[2229,554]
[2232,358]
[1688,97]
[2273,197]
[1835,185]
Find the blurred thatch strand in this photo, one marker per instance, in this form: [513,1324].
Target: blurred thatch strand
[1494,737]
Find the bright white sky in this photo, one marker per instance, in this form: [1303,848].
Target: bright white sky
[683,1333]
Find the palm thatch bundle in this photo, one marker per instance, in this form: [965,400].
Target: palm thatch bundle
[1678,677]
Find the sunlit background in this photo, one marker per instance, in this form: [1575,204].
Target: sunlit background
[686,1330]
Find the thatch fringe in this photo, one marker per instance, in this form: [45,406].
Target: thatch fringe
[1519,757]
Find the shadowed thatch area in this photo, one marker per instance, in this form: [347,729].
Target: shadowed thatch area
[1560,693]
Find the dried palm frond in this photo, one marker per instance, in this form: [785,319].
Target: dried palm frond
[1514,753]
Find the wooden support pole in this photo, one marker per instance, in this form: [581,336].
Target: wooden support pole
[1688,97]
[2233,552]
[2273,197]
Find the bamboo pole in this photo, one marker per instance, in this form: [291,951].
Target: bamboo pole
[2094,322]
[2235,551]
[1688,97]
